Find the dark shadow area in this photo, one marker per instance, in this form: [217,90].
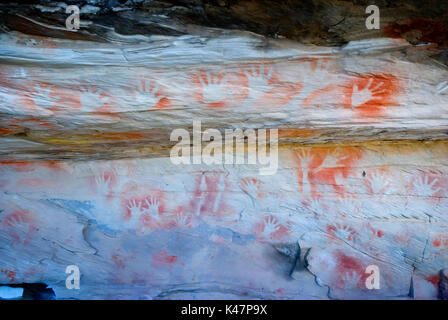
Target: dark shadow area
[33,291]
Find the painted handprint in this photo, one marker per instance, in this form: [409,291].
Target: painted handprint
[333,159]
[378,182]
[368,92]
[19,224]
[305,157]
[182,219]
[319,76]
[152,207]
[350,279]
[91,98]
[438,247]
[258,82]
[313,79]
[424,188]
[135,209]
[102,184]
[42,97]
[271,225]
[14,219]
[251,187]
[147,95]
[369,95]
[316,207]
[341,231]
[348,207]
[213,88]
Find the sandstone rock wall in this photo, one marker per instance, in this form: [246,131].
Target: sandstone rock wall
[86,177]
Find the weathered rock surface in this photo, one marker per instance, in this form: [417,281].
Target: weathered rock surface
[86,178]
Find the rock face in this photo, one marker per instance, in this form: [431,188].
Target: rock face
[354,204]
